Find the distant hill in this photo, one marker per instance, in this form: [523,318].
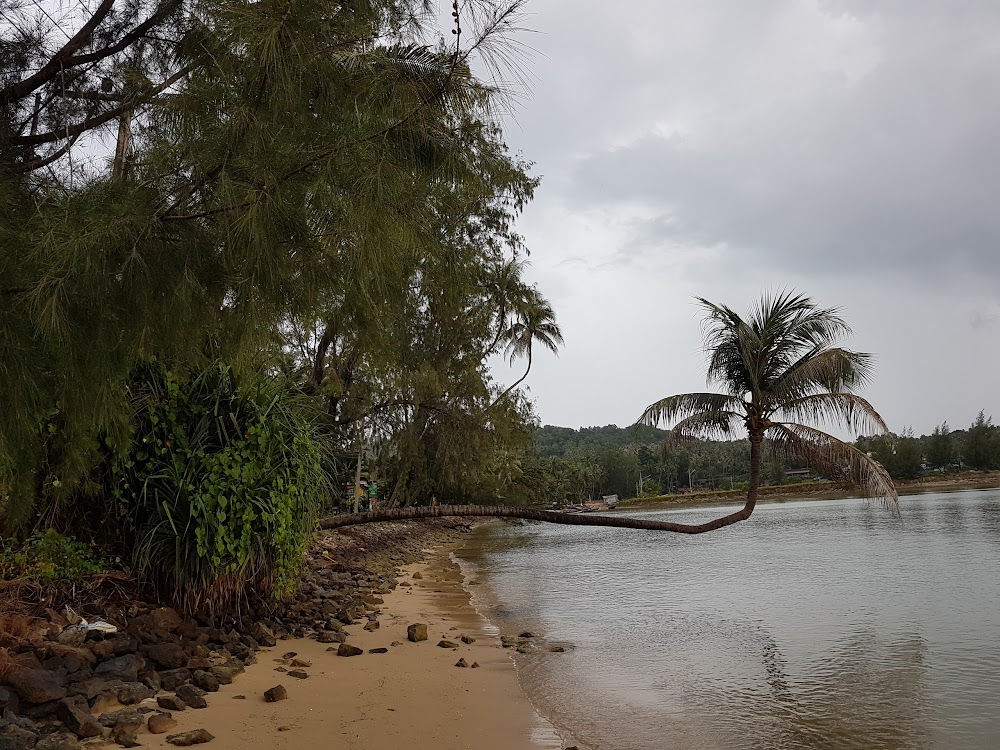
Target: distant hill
[557,442]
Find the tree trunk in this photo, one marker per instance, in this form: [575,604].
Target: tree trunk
[516,382]
[414,513]
[531,514]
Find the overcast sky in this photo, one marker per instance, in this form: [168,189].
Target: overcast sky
[846,149]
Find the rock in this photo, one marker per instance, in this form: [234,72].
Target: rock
[378,651]
[193,696]
[395,643]
[58,741]
[467,638]
[345,617]
[77,719]
[134,692]
[8,700]
[417,632]
[373,625]
[164,619]
[122,720]
[298,674]
[263,635]
[461,663]
[161,723]
[126,738]
[72,636]
[206,681]
[174,678]
[96,686]
[15,738]
[289,654]
[527,634]
[526,649]
[239,697]
[447,644]
[170,702]
[417,576]
[557,649]
[225,674]
[186,739]
[301,663]
[372,600]
[347,649]
[38,685]
[124,668]
[275,694]
[280,669]
[475,665]
[168,655]
[328,637]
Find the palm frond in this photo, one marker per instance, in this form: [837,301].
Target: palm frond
[833,369]
[835,458]
[707,425]
[687,405]
[845,409]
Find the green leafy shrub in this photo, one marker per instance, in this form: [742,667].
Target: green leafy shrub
[49,559]
[221,486]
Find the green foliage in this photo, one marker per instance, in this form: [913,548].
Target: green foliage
[982,444]
[50,559]
[221,485]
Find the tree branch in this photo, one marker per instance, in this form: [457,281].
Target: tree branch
[93,122]
[59,60]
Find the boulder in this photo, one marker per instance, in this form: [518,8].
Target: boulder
[206,681]
[373,625]
[164,619]
[299,674]
[77,719]
[124,668]
[126,738]
[275,694]
[58,741]
[346,649]
[467,638]
[161,723]
[122,720]
[13,737]
[263,635]
[225,673]
[38,685]
[168,655]
[8,700]
[193,696]
[378,651]
[173,678]
[417,632]
[133,692]
[447,644]
[186,739]
[461,663]
[170,702]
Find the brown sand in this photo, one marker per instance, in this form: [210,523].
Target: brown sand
[412,697]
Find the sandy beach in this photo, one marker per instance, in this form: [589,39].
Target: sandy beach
[412,696]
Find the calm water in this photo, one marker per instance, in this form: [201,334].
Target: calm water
[813,625]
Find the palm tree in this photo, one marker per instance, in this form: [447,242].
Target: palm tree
[781,373]
[780,370]
[535,323]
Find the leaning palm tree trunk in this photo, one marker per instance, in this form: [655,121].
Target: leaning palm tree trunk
[531,514]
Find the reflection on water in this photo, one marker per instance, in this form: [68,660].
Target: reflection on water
[815,625]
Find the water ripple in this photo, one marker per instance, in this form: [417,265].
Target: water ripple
[821,625]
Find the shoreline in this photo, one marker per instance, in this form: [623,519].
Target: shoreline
[413,695]
[811,491]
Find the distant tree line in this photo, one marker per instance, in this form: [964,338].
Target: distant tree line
[571,465]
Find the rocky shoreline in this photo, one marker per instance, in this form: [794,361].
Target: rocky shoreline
[67,682]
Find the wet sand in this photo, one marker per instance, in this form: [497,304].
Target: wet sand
[412,696]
